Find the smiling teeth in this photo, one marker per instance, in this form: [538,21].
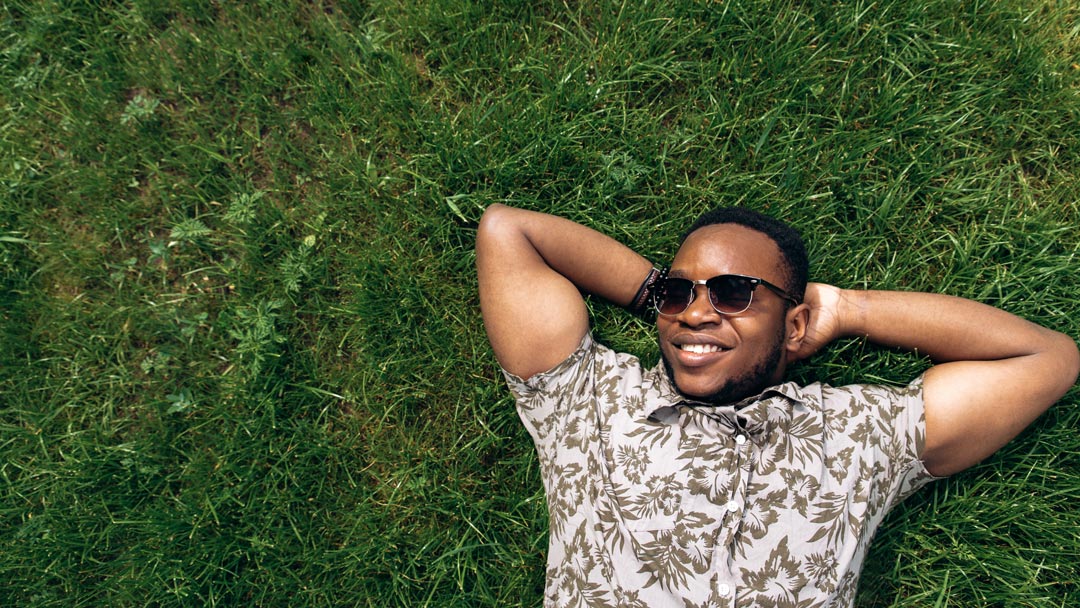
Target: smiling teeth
[701,349]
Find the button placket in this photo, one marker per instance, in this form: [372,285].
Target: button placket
[741,476]
[732,515]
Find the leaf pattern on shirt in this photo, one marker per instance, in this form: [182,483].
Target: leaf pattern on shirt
[802,488]
[629,599]
[563,500]
[776,583]
[712,482]
[650,436]
[634,461]
[838,464]
[763,512]
[820,568]
[830,512]
[661,497]
[660,513]
[575,587]
[802,441]
[665,561]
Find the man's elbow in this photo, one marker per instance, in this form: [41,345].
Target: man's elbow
[1063,360]
[491,230]
[1070,360]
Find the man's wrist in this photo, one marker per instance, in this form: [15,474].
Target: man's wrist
[643,299]
[852,311]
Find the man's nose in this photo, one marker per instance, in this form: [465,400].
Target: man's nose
[700,311]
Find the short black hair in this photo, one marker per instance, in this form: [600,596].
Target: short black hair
[795,262]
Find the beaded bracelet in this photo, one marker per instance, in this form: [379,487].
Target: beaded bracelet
[641,305]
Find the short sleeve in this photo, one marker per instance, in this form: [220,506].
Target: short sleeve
[900,416]
[542,398]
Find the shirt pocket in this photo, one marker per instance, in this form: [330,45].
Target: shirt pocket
[650,482]
[671,524]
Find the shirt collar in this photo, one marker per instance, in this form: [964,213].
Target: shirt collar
[751,415]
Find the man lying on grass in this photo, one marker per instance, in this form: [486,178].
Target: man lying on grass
[705,480]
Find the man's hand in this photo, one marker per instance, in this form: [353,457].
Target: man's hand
[824,326]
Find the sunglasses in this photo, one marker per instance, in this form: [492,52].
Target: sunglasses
[729,294]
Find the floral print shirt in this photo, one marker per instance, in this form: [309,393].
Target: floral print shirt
[655,501]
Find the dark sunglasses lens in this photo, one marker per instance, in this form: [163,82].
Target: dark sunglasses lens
[675,296]
[730,294]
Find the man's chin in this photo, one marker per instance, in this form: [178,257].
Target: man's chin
[728,391]
[695,389]
[724,394]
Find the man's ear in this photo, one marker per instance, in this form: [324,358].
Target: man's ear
[795,324]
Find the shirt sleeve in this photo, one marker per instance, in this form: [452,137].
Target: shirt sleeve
[544,398]
[901,438]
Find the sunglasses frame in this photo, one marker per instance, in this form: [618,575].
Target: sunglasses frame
[753,281]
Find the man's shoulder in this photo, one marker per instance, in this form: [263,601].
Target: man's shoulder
[824,390]
[591,359]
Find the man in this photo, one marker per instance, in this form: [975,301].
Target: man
[705,480]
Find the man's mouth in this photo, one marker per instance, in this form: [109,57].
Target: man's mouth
[699,349]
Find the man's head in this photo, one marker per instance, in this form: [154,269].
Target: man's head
[722,357]
[796,265]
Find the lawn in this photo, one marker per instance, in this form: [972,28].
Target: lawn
[241,359]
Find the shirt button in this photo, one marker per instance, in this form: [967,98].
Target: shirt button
[732,506]
[723,589]
[740,439]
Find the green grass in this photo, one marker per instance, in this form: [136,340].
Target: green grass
[241,361]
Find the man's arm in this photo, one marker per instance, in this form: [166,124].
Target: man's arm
[994,372]
[532,269]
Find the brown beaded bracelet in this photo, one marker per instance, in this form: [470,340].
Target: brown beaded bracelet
[641,304]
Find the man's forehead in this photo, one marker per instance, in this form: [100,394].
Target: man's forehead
[726,232]
[728,247]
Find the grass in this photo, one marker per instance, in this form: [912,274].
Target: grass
[241,361]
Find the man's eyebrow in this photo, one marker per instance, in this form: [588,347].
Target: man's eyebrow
[677,274]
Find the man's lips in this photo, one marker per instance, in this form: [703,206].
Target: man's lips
[694,341]
[699,349]
[696,350]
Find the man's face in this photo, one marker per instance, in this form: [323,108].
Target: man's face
[723,358]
